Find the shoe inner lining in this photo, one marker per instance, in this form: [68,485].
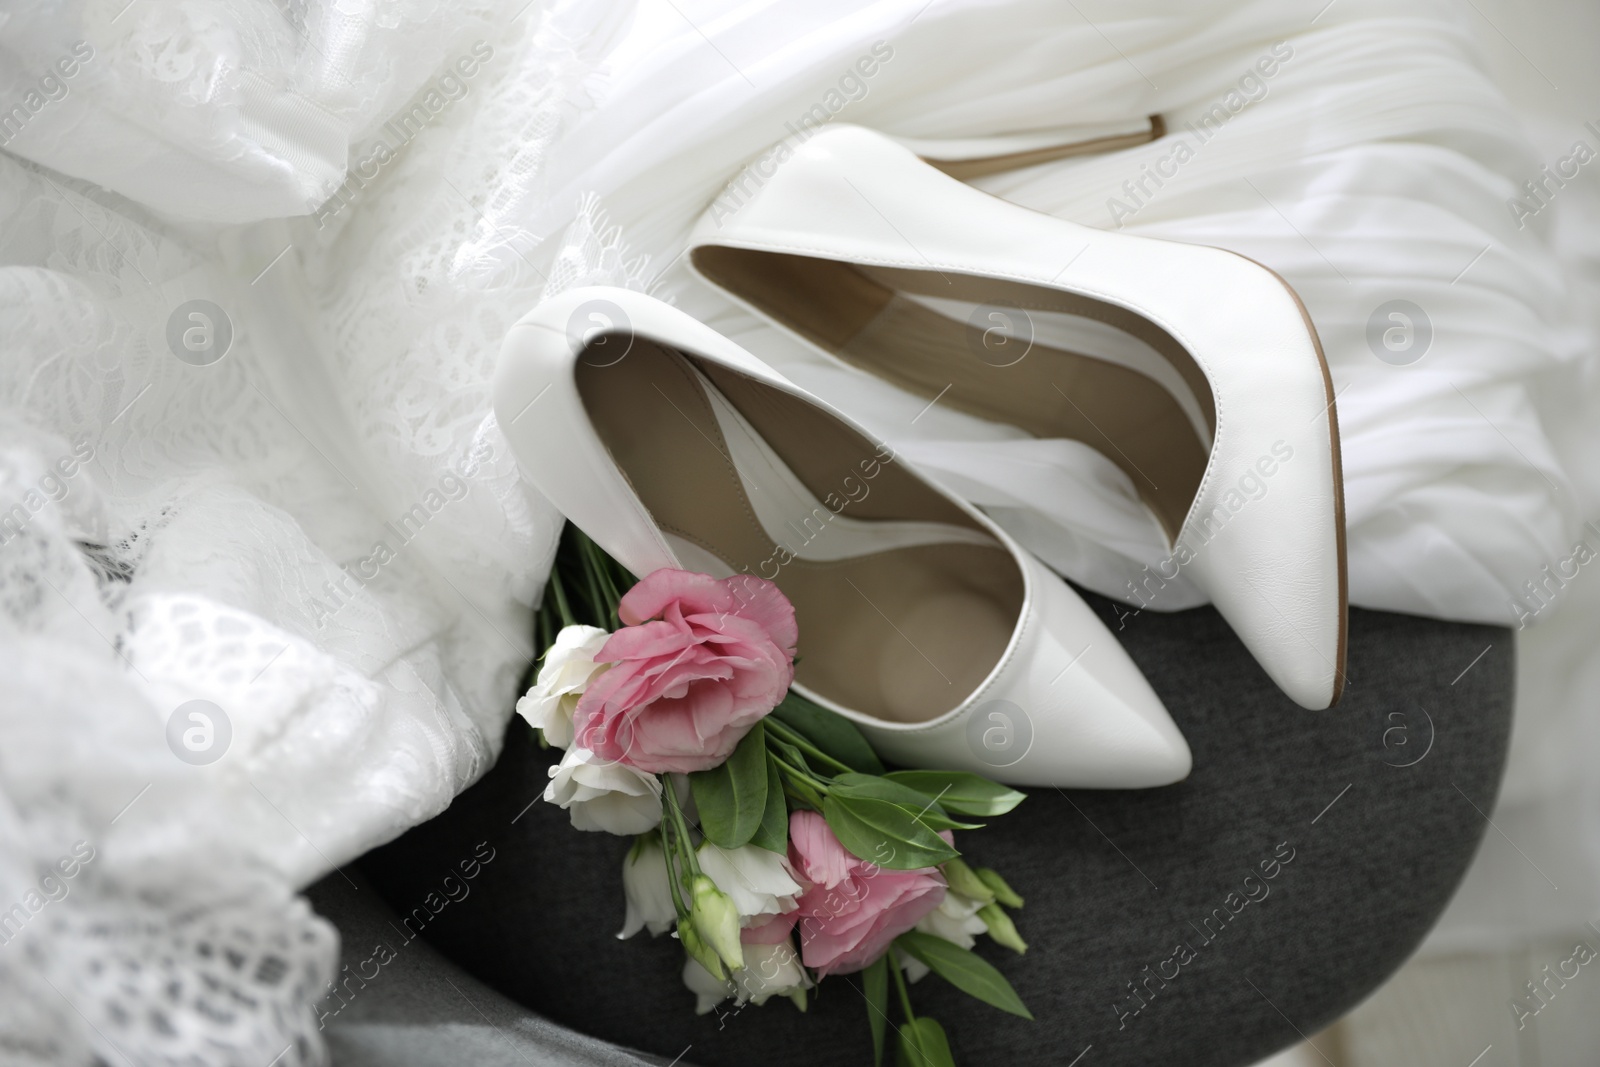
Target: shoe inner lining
[905,634]
[867,317]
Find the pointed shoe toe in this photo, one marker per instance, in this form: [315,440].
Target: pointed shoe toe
[1066,706]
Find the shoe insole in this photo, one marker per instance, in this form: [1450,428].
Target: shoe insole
[883,321]
[904,603]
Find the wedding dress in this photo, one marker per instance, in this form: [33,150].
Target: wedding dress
[298,509]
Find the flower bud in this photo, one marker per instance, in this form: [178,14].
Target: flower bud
[700,952]
[1002,892]
[1001,928]
[716,922]
[964,880]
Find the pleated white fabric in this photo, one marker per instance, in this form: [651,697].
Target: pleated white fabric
[317,528]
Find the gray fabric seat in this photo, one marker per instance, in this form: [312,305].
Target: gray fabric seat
[1208,923]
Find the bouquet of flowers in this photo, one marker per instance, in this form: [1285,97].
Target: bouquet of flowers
[769,837]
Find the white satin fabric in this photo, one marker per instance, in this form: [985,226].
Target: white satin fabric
[323,534]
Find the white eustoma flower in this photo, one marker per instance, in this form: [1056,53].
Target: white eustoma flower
[956,920]
[709,990]
[769,971]
[604,796]
[759,881]
[647,887]
[569,667]
[772,971]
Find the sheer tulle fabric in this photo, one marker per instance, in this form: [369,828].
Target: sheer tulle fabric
[323,534]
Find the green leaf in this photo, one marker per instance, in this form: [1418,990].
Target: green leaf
[960,792]
[920,805]
[882,788]
[884,833]
[875,983]
[773,833]
[829,731]
[933,820]
[965,970]
[732,798]
[923,1044]
[1002,892]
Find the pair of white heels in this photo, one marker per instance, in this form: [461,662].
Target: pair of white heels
[920,619]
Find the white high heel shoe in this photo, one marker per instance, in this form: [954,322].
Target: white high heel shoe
[920,619]
[1193,369]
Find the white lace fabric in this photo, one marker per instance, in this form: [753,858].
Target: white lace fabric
[323,534]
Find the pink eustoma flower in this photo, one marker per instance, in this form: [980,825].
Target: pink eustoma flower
[700,661]
[851,909]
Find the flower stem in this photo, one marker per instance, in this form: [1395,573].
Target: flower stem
[560,592]
[608,587]
[599,576]
[802,785]
[667,848]
[591,566]
[686,850]
[794,772]
[541,628]
[900,984]
[798,740]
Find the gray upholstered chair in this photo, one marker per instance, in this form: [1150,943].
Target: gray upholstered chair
[1156,935]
